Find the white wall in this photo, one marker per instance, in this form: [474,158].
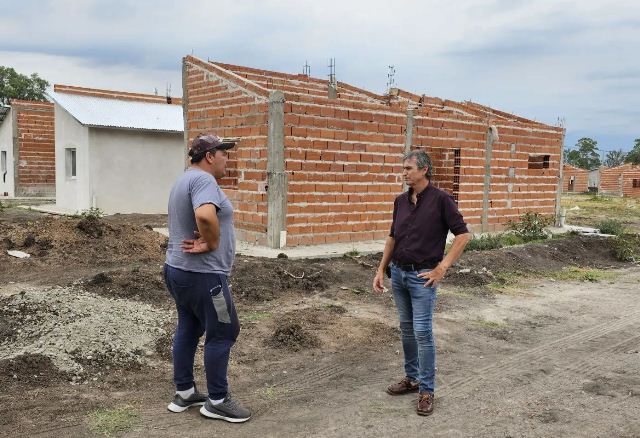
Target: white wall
[72,194]
[133,170]
[7,182]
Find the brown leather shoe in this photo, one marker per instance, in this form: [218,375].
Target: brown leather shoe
[405,386]
[425,403]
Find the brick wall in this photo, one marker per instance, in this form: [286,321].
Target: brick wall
[579,176]
[35,174]
[619,180]
[214,103]
[343,155]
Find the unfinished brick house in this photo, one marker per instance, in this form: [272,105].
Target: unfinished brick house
[27,151]
[621,180]
[575,179]
[320,162]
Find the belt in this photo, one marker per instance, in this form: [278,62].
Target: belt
[408,267]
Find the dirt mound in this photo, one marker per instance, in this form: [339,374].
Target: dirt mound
[259,280]
[80,332]
[140,283]
[479,268]
[55,242]
[291,336]
[29,371]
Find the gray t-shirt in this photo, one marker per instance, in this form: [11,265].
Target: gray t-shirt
[195,188]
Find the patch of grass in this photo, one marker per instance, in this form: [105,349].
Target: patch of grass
[506,282]
[593,210]
[352,253]
[574,273]
[255,315]
[270,392]
[611,226]
[115,420]
[491,324]
[92,213]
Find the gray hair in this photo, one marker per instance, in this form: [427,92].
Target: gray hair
[422,160]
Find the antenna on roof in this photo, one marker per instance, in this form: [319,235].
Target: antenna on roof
[561,122]
[306,69]
[391,80]
[168,93]
[155,91]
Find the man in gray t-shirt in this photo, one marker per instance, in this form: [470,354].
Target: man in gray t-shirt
[200,256]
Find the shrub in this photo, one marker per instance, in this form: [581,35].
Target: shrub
[485,242]
[624,248]
[611,226]
[531,226]
[92,213]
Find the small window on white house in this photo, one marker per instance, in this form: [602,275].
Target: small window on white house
[3,161]
[70,162]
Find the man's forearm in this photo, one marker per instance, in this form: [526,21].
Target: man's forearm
[208,225]
[386,255]
[457,247]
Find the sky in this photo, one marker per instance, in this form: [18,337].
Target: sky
[574,62]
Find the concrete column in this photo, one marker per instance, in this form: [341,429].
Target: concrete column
[276,176]
[333,91]
[492,136]
[408,138]
[185,100]
[559,216]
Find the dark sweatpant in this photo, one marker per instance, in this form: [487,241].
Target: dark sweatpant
[204,306]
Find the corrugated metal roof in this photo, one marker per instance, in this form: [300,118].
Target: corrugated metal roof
[115,113]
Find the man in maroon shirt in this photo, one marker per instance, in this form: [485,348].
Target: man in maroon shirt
[422,218]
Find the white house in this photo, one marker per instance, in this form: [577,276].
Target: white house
[119,152]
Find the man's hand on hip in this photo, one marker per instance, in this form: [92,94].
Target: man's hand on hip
[434,276]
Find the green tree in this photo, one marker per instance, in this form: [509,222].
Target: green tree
[14,85]
[633,156]
[615,158]
[585,155]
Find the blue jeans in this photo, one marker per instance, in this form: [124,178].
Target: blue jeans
[205,307]
[415,305]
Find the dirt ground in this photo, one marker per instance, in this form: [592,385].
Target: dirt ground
[534,340]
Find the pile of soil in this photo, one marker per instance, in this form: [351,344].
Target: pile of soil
[256,280]
[479,268]
[67,242]
[30,371]
[139,283]
[293,337]
[80,332]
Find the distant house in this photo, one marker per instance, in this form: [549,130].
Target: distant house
[576,179]
[621,180]
[116,151]
[27,163]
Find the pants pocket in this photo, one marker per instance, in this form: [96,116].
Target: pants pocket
[220,304]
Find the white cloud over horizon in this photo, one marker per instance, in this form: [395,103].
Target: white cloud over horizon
[541,59]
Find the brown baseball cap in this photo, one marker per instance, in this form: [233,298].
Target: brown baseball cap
[208,142]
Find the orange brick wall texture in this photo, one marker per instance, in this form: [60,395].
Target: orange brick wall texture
[35,173]
[343,155]
[620,180]
[580,178]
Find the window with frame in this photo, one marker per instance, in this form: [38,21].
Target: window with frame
[636,183]
[70,162]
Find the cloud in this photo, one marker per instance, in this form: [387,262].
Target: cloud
[541,59]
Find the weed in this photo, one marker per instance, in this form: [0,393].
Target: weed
[485,242]
[255,316]
[352,253]
[611,226]
[92,213]
[116,420]
[625,247]
[531,226]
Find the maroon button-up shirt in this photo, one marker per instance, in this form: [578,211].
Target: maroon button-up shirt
[420,230]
